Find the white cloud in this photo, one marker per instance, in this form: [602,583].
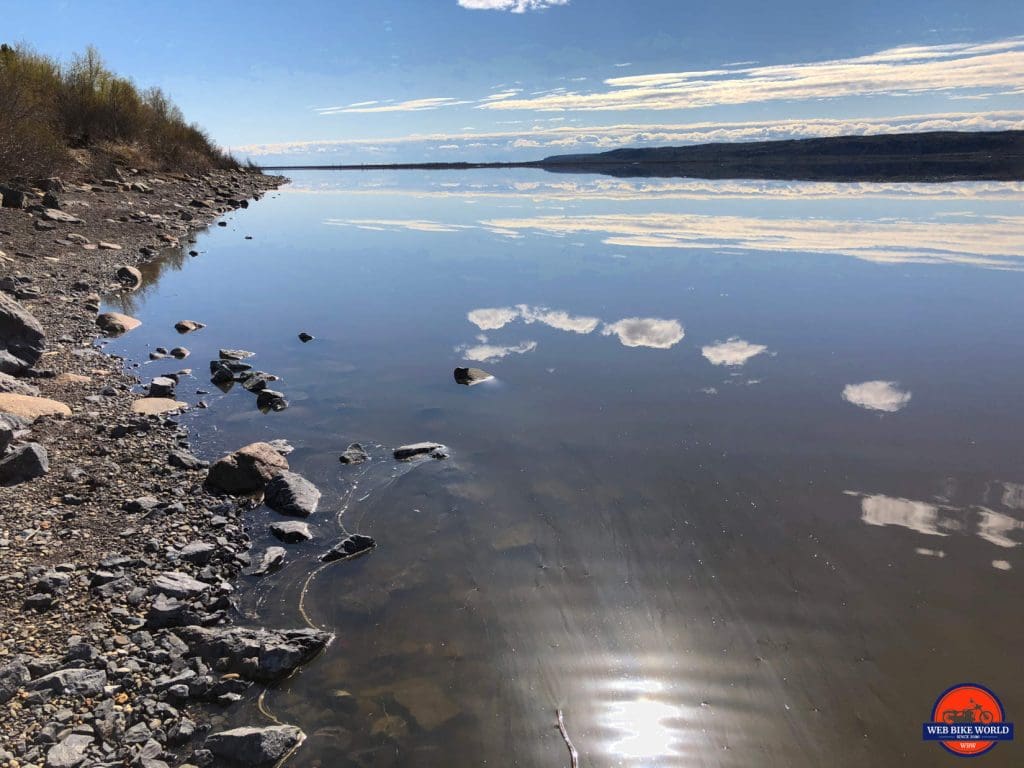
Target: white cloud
[646,332]
[734,351]
[515,6]
[412,105]
[903,70]
[876,396]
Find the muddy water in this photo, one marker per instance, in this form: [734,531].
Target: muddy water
[747,488]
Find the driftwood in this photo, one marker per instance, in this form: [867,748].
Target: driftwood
[574,756]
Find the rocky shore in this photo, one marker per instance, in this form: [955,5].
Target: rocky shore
[119,546]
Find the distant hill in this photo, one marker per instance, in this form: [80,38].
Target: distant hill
[935,156]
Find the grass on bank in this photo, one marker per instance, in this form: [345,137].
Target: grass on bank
[50,112]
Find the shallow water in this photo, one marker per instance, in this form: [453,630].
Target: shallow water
[747,488]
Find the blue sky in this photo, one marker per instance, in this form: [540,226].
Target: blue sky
[406,80]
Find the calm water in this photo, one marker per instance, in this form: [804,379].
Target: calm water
[747,489]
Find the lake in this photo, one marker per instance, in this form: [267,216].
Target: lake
[746,488]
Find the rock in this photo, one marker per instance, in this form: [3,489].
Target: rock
[11,428]
[180,353]
[271,400]
[255,747]
[434,450]
[471,376]
[247,470]
[75,682]
[52,214]
[273,558]
[9,383]
[162,386]
[13,198]
[155,406]
[198,552]
[22,340]
[255,654]
[256,381]
[235,354]
[31,408]
[69,752]
[182,459]
[353,544]
[115,323]
[291,494]
[178,584]
[187,326]
[305,337]
[108,246]
[26,462]
[50,200]
[130,277]
[291,531]
[354,454]
[12,677]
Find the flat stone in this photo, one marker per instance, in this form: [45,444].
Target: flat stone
[255,747]
[52,214]
[411,451]
[351,545]
[235,354]
[198,552]
[77,682]
[116,323]
[178,584]
[69,752]
[291,531]
[154,406]
[31,408]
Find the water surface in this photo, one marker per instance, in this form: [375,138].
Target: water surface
[747,488]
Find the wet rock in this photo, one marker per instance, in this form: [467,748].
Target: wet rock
[115,323]
[271,400]
[272,559]
[26,462]
[130,277]
[255,654]
[354,454]
[187,326]
[235,354]
[246,470]
[22,340]
[255,747]
[471,376]
[256,381]
[178,584]
[180,353]
[411,451]
[162,386]
[305,337]
[351,545]
[291,494]
[155,406]
[291,531]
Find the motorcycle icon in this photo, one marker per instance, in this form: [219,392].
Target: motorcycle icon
[975,714]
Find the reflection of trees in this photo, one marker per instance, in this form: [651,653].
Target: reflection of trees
[171,258]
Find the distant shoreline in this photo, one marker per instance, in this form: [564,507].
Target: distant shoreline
[934,157]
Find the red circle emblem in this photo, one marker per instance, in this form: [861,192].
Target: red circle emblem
[966,704]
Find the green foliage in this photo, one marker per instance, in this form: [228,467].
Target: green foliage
[47,109]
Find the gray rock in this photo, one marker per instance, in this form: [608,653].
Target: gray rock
[179,353]
[271,400]
[162,386]
[187,326]
[255,654]
[411,451]
[77,682]
[305,337]
[15,386]
[182,459]
[247,470]
[178,584]
[53,214]
[69,752]
[354,454]
[291,531]
[22,340]
[198,552]
[12,677]
[11,428]
[273,558]
[255,747]
[291,494]
[26,462]
[351,545]
[235,354]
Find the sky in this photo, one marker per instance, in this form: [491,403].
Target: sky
[377,81]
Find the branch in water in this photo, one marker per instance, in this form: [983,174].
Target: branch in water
[573,754]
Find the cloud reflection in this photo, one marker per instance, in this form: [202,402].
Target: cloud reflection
[493,318]
[650,332]
[876,396]
[733,351]
[485,353]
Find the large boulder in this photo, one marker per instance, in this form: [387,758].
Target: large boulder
[254,747]
[247,470]
[26,462]
[22,340]
[255,654]
[291,494]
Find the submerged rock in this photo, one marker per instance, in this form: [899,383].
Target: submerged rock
[291,531]
[471,376]
[255,747]
[248,469]
[255,654]
[291,494]
[411,451]
[354,454]
[305,337]
[187,326]
[273,558]
[353,544]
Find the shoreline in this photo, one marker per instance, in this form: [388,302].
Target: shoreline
[116,609]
